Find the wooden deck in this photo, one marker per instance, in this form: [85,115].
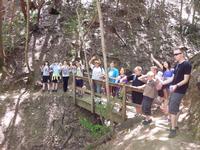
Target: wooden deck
[116,109]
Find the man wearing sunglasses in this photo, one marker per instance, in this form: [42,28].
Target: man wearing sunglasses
[179,87]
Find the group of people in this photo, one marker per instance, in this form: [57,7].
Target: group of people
[165,82]
[169,83]
[58,72]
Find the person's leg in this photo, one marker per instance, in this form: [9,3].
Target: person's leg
[98,88]
[174,104]
[67,79]
[56,86]
[138,109]
[64,84]
[43,86]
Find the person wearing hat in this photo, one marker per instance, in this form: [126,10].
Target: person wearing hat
[97,73]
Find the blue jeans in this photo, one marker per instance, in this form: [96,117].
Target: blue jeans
[97,88]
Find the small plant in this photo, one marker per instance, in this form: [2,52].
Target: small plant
[96,130]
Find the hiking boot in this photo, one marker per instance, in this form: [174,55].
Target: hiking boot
[146,122]
[172,134]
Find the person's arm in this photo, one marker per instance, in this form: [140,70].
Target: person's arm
[156,61]
[90,61]
[143,78]
[140,87]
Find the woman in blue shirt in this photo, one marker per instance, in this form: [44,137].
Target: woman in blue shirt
[167,74]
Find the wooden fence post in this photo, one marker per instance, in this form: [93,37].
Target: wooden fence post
[74,88]
[124,102]
[92,98]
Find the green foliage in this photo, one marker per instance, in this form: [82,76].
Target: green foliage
[13,33]
[96,130]
[70,26]
[104,110]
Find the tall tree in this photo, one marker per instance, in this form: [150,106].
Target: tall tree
[39,4]
[23,7]
[103,45]
[27,35]
[180,17]
[1,38]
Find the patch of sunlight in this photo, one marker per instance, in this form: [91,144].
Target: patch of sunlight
[130,114]
[18,119]
[3,97]
[1,135]
[133,133]
[86,3]
[163,138]
[149,134]
[7,117]
[37,55]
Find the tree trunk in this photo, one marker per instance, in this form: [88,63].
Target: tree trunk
[150,10]
[103,47]
[23,7]
[81,44]
[180,17]
[27,37]
[1,37]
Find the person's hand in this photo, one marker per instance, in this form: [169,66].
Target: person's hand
[172,88]
[94,57]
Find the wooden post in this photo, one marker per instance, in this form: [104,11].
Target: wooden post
[103,45]
[124,102]
[74,88]
[92,98]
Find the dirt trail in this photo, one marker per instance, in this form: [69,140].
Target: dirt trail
[132,135]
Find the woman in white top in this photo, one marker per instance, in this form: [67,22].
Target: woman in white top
[97,73]
[45,69]
[65,75]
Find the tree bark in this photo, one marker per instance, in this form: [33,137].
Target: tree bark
[103,47]
[39,7]
[180,17]
[1,37]
[23,7]
[27,37]
[81,45]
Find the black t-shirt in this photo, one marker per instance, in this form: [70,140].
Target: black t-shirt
[180,70]
[135,82]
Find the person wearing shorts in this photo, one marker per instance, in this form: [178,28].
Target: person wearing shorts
[45,69]
[56,69]
[136,96]
[149,93]
[178,88]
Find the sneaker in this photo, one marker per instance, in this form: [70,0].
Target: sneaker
[146,122]
[176,128]
[172,134]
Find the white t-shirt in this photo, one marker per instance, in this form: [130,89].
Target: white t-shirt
[97,72]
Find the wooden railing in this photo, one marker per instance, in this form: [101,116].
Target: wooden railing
[122,100]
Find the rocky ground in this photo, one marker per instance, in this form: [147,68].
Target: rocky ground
[37,121]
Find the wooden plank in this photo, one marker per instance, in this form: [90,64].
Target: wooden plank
[74,89]
[92,99]
[124,103]
[84,104]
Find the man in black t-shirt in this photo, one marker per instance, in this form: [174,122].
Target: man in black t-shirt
[178,88]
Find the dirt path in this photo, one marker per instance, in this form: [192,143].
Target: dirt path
[132,135]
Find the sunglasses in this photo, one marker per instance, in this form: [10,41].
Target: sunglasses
[177,54]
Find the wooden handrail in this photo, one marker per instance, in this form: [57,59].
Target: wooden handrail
[129,88]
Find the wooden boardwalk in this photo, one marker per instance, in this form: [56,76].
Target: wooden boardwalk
[117,108]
